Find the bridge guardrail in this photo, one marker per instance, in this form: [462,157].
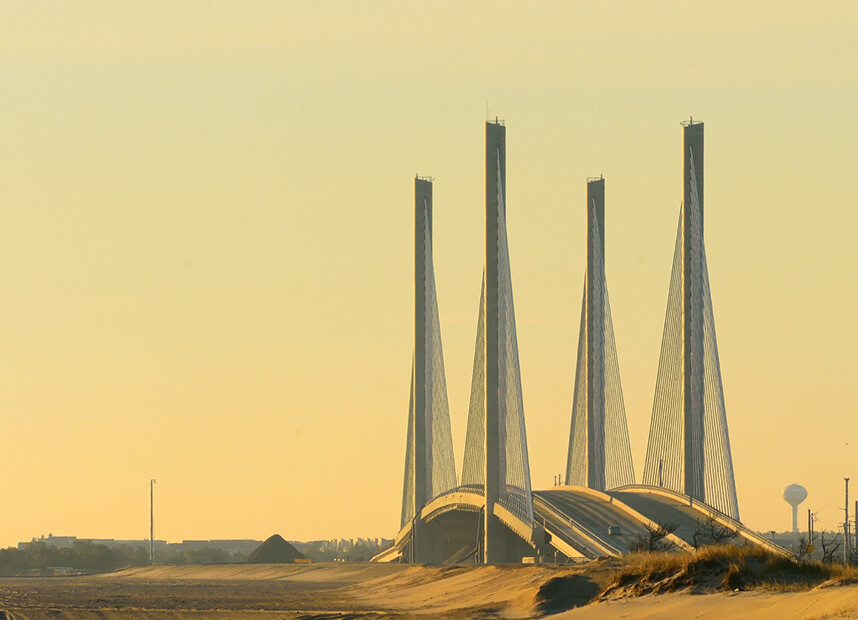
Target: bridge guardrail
[647,522]
[709,511]
[567,521]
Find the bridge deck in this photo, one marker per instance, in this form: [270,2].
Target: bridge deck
[632,508]
[663,510]
[584,523]
[587,520]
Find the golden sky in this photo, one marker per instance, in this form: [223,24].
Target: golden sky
[206,243]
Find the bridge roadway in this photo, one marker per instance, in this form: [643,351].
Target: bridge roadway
[582,523]
[609,523]
[584,520]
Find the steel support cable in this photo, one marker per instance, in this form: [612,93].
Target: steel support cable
[664,448]
[621,466]
[407,512]
[441,465]
[514,473]
[719,479]
[727,490]
[473,467]
[597,443]
[429,377]
[714,479]
[610,444]
[711,459]
[576,469]
[515,470]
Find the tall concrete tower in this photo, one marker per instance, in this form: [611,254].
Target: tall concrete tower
[430,468]
[599,454]
[595,341]
[692,315]
[495,193]
[496,460]
[689,445]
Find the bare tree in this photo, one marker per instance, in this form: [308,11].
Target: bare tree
[711,532]
[802,549]
[654,539]
[829,547]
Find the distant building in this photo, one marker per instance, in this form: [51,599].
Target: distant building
[60,542]
[228,545]
[113,543]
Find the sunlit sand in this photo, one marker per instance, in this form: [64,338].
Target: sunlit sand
[383,591]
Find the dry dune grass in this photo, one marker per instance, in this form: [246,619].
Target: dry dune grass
[721,568]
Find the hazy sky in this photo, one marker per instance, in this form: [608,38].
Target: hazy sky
[206,243]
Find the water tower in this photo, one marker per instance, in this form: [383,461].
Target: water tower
[795,494]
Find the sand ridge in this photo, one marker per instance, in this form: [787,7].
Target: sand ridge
[838,602]
[356,590]
[345,573]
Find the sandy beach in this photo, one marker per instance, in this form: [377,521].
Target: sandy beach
[339,591]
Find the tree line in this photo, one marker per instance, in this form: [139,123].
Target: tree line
[87,556]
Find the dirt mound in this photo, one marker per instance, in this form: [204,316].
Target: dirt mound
[275,550]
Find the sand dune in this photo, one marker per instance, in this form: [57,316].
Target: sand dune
[839,602]
[341,591]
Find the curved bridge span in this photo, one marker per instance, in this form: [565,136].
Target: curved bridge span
[570,523]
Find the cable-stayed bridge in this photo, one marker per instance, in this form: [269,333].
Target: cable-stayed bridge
[492,515]
[600,455]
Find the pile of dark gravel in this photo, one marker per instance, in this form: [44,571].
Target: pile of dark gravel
[275,550]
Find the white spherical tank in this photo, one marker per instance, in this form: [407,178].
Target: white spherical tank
[794,495]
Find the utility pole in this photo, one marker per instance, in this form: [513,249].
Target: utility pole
[809,528]
[152,521]
[846,525]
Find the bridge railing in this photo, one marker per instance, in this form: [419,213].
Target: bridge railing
[566,521]
[631,512]
[709,511]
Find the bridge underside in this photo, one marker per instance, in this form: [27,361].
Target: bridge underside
[448,530]
[570,523]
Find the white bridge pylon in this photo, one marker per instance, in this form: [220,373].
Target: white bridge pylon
[600,455]
[430,468]
[689,445]
[496,462]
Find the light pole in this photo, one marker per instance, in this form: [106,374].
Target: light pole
[846,551]
[152,521]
